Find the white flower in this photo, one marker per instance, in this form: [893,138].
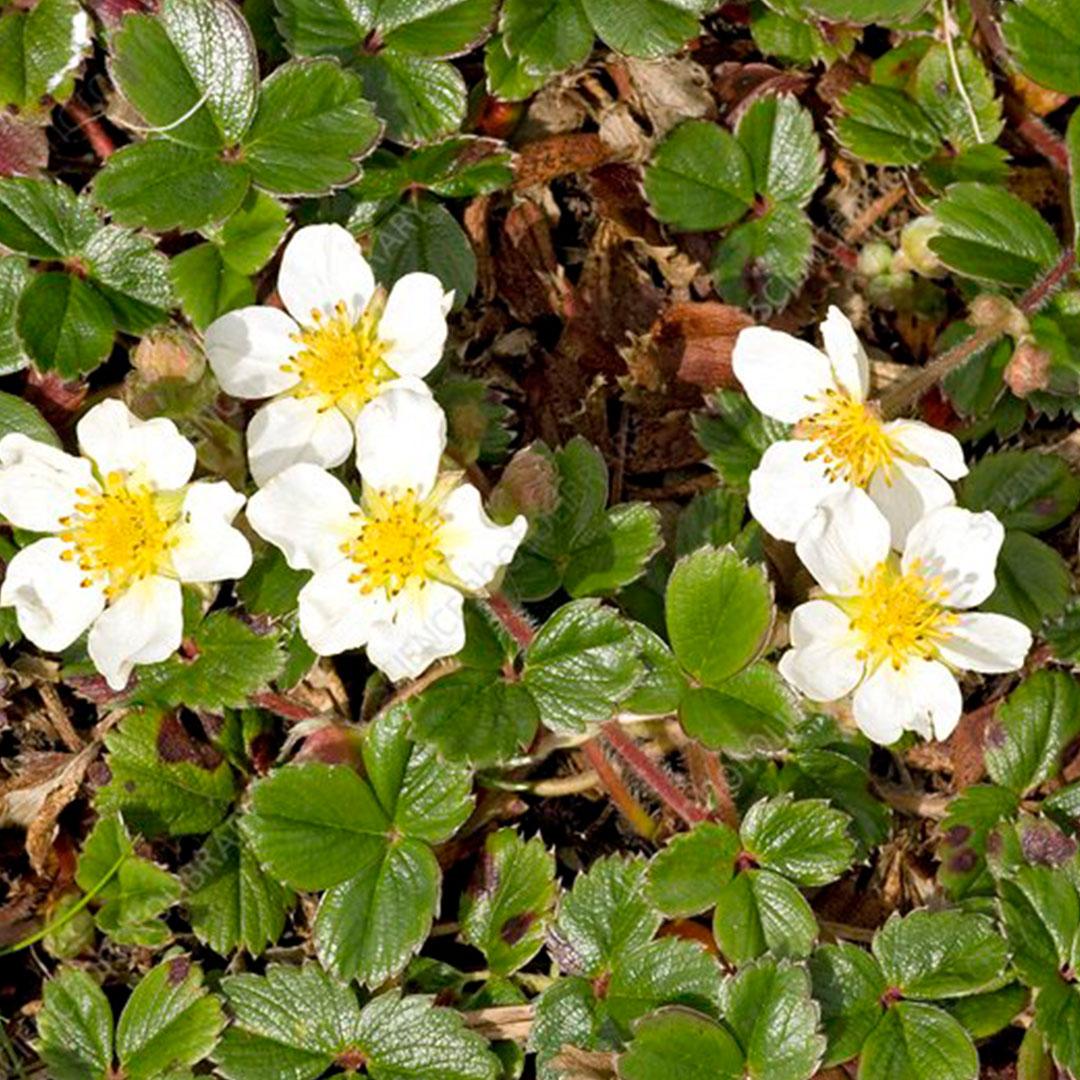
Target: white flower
[893,629]
[345,342]
[127,528]
[840,440]
[390,573]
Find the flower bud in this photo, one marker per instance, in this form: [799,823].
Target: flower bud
[915,246]
[529,486]
[1028,369]
[875,259]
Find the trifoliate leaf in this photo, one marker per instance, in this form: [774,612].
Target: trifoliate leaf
[848,986]
[940,954]
[918,1042]
[419,99]
[41,48]
[76,1028]
[759,912]
[231,662]
[806,840]
[506,908]
[719,611]
[619,555]
[689,875]
[1024,490]
[581,663]
[230,900]
[769,1007]
[162,778]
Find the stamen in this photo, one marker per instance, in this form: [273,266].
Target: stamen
[852,441]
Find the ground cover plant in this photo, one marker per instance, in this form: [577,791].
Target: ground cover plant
[539,539]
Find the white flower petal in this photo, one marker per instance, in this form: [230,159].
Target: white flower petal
[152,451]
[922,696]
[143,626]
[786,488]
[207,547]
[428,625]
[851,368]
[905,494]
[938,449]
[961,549]
[474,546]
[783,376]
[845,539]
[336,616]
[321,266]
[400,438]
[982,641]
[307,513]
[413,324]
[822,664]
[38,483]
[246,349]
[51,604]
[288,430]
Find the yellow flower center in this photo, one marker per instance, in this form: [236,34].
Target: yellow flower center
[898,616]
[121,533]
[399,543]
[851,439]
[340,361]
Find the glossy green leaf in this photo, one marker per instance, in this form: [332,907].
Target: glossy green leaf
[65,323]
[207,287]
[688,876]
[1033,581]
[549,36]
[785,156]
[848,985]
[76,1028]
[41,49]
[1043,36]
[42,219]
[759,912]
[420,99]
[885,126]
[677,1041]
[806,840]
[918,1042]
[1025,490]
[646,28]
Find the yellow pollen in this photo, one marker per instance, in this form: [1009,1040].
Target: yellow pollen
[340,361]
[898,616]
[398,544]
[119,533]
[852,441]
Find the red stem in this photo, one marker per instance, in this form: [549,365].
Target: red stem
[514,621]
[651,774]
[620,794]
[95,134]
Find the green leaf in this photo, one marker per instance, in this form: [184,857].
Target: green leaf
[950,107]
[647,28]
[43,219]
[972,815]
[619,556]
[785,156]
[991,235]
[735,435]
[420,99]
[456,168]
[65,323]
[568,1014]
[1057,1016]
[713,517]
[76,1028]
[41,49]
[661,684]
[17,415]
[189,51]
[230,901]
[1040,911]
[848,985]
[605,916]
[169,1020]
[232,661]
[867,11]
[1072,144]
[311,126]
[314,826]
[750,713]
[883,125]
[690,874]
[940,954]
[506,909]
[1033,581]
[162,779]
[369,926]
[581,663]
[700,178]
[1025,490]
[164,185]
[207,287]
[1027,738]
[918,1042]
[506,77]
[425,236]
[805,840]
[984,1015]
[14,277]
[476,716]
[1043,37]
[252,234]
[546,37]
[763,912]
[132,275]
[678,1042]
[762,263]
[794,38]
[719,613]
[769,1007]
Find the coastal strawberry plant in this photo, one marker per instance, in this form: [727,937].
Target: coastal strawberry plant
[539,540]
